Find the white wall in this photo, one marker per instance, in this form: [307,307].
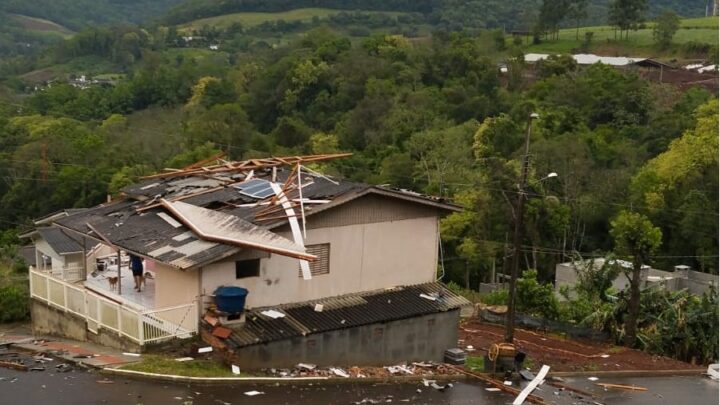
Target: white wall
[362,257]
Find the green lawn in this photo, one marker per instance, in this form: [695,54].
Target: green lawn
[39,24]
[640,42]
[196,368]
[254,19]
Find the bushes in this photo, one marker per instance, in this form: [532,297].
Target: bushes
[533,298]
[537,299]
[678,324]
[13,303]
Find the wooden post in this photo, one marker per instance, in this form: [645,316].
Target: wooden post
[84,242]
[119,274]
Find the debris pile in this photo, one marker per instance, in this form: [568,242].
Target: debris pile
[419,369]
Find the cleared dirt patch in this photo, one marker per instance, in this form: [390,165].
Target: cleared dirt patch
[39,24]
[563,354]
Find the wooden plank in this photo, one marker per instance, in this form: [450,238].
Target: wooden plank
[249,164]
[15,366]
[203,162]
[534,399]
[294,228]
[622,387]
[533,384]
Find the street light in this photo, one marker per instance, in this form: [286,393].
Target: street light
[517,235]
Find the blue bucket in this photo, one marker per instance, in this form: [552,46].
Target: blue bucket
[230,299]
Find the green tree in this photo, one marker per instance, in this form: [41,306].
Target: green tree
[636,238]
[577,11]
[626,14]
[666,25]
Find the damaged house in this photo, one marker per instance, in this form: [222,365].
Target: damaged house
[332,272]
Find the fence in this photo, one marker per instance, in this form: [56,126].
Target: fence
[146,326]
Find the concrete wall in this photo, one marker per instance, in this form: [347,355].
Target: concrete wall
[51,321]
[362,257]
[47,320]
[174,286]
[696,282]
[414,339]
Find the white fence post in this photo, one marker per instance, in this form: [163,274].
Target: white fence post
[141,329]
[47,285]
[118,310]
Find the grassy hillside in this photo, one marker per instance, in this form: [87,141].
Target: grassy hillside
[251,19]
[39,24]
[76,14]
[641,41]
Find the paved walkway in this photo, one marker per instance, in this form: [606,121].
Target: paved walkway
[21,337]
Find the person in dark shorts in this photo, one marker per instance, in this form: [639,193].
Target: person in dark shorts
[136,265]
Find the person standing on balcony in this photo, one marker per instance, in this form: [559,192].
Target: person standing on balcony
[136,265]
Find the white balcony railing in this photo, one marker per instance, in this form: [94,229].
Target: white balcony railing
[141,326]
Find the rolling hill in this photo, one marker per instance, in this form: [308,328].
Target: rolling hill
[251,19]
[76,14]
[41,25]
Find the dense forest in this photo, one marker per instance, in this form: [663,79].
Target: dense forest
[454,14]
[436,116]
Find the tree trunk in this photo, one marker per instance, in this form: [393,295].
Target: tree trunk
[577,30]
[467,276]
[633,305]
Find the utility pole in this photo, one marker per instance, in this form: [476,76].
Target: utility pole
[517,235]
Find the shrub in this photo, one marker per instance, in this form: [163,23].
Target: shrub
[13,303]
[534,298]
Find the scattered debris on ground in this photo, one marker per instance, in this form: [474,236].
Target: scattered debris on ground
[420,369]
[565,354]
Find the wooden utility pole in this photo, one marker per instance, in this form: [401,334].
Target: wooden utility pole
[518,235]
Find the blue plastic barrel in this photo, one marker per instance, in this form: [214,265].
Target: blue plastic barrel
[230,299]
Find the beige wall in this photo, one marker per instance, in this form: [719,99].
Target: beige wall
[362,257]
[174,286]
[43,247]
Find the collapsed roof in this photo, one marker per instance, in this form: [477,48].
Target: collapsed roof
[195,216]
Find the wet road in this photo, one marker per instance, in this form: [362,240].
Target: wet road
[81,387]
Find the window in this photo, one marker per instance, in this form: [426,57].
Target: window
[322,264]
[247,268]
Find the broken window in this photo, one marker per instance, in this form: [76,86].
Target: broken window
[322,264]
[247,268]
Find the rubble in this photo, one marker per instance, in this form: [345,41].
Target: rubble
[420,369]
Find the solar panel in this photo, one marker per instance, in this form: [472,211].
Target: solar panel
[256,188]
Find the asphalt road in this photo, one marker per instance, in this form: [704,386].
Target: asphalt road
[82,387]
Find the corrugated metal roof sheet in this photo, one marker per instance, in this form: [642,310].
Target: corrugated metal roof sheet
[588,59]
[342,312]
[61,242]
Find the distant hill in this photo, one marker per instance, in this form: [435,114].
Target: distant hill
[506,14]
[41,25]
[76,14]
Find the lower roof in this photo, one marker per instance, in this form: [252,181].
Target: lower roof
[341,312]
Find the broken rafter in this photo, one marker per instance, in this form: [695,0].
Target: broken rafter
[201,163]
[249,165]
[183,197]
